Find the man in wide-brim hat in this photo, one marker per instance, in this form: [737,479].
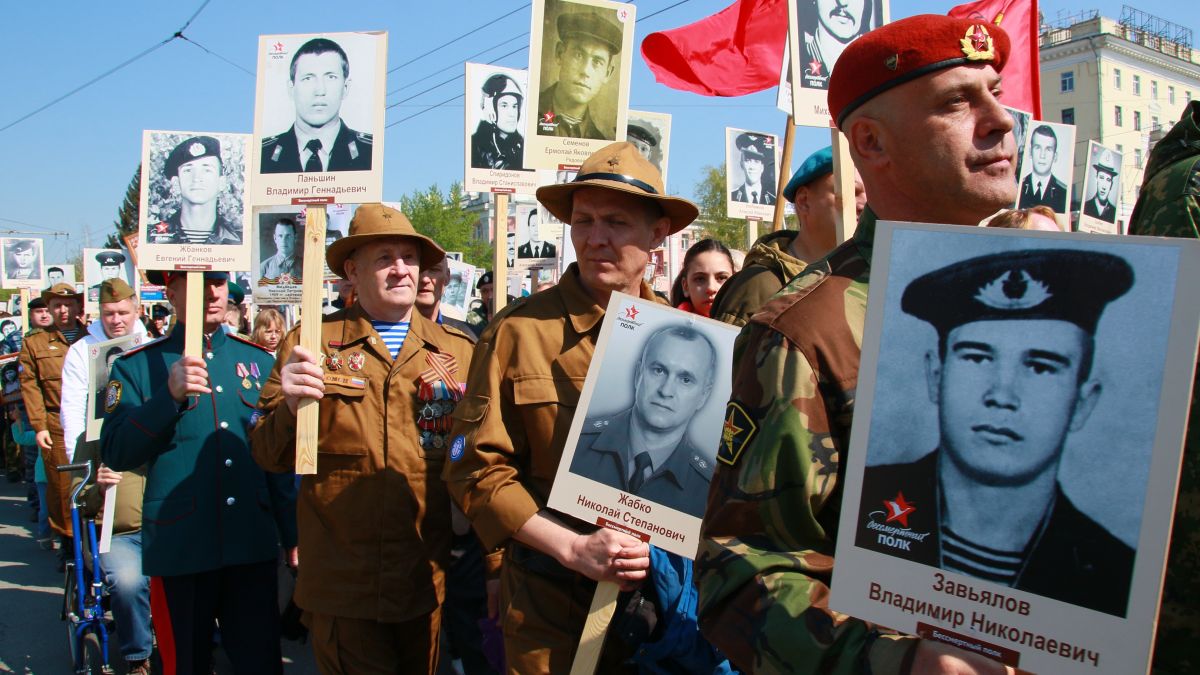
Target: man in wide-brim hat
[374,520]
[525,382]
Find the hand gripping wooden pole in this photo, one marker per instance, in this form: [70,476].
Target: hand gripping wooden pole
[591,642]
[500,256]
[785,173]
[843,185]
[310,332]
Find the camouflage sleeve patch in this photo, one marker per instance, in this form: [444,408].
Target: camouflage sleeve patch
[736,433]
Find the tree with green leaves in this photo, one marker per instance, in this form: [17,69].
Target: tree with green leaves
[442,218]
[714,219]
[127,216]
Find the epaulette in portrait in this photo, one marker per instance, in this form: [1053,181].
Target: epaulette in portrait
[702,465]
[364,137]
[270,140]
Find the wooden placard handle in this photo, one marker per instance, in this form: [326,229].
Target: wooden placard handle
[843,185]
[193,339]
[752,230]
[591,642]
[500,257]
[785,173]
[310,332]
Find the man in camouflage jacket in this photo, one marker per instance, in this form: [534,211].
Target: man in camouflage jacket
[919,106]
[1169,206]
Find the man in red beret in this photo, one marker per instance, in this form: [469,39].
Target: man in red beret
[918,102]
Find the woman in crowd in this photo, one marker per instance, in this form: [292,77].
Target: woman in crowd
[707,265]
[268,328]
[1034,218]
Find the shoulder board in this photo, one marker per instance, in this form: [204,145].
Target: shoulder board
[33,331]
[594,425]
[701,464]
[457,333]
[142,346]
[270,140]
[246,341]
[364,137]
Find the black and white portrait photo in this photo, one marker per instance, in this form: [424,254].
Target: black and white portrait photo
[497,105]
[750,164]
[581,53]
[319,109]
[530,242]
[23,263]
[193,194]
[1015,410]
[277,273]
[818,33]
[1101,190]
[59,273]
[100,264]
[650,133]
[1048,166]
[1020,132]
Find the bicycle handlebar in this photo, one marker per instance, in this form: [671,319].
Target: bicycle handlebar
[81,466]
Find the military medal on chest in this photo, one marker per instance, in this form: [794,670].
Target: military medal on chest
[356,361]
[437,393]
[244,373]
[333,361]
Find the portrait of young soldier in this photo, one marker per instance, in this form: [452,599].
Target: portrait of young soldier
[497,142]
[22,259]
[645,450]
[1041,186]
[933,144]
[534,247]
[197,175]
[827,27]
[1011,376]
[318,140]
[110,263]
[586,56]
[54,275]
[1105,186]
[287,256]
[646,139]
[755,164]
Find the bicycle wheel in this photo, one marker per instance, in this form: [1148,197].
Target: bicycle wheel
[93,655]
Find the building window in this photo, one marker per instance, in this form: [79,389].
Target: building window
[1154,123]
[1154,90]
[1137,85]
[1068,116]
[1137,120]
[1117,78]
[1137,157]
[1120,148]
[1117,117]
[1171,95]
[1068,81]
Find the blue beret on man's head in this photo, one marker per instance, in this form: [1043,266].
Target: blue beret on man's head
[815,166]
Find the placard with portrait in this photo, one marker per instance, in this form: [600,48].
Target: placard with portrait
[642,445]
[275,278]
[193,211]
[319,117]
[1100,211]
[751,181]
[580,56]
[1048,167]
[497,103]
[818,33]
[1011,471]
[650,133]
[23,263]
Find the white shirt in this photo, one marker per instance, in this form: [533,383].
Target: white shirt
[75,391]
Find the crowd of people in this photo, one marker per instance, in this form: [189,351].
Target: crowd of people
[424,538]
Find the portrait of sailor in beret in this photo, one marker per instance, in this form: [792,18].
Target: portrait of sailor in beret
[197,176]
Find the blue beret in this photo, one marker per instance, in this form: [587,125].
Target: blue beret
[817,165]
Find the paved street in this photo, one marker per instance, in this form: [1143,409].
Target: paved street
[32,638]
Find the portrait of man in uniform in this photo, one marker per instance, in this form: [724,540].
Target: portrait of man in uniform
[650,133]
[196,173]
[1012,377]
[497,142]
[110,263]
[756,165]
[1020,131]
[533,246]
[22,259]
[319,139]
[586,55]
[286,256]
[54,275]
[827,27]
[645,449]
[1104,185]
[1041,186]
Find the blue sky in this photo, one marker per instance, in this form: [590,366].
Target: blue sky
[65,169]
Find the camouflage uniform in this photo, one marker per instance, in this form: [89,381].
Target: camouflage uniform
[766,554]
[769,265]
[1169,206]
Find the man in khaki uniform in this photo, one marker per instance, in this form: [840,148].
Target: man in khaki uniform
[525,381]
[42,356]
[374,522]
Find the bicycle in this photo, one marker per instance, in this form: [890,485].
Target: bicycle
[83,603]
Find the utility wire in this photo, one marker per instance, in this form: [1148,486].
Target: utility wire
[210,52]
[108,72]
[458,63]
[460,37]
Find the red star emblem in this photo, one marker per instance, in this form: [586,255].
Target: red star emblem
[979,39]
[631,312]
[548,117]
[898,509]
[814,67]
[278,46]
[161,227]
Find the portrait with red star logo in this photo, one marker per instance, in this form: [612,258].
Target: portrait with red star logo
[818,32]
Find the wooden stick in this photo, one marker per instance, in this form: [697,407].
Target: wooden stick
[500,261]
[25,294]
[591,642]
[843,185]
[310,332]
[785,173]
[752,231]
[193,339]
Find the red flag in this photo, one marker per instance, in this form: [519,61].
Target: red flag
[734,52]
[1018,18]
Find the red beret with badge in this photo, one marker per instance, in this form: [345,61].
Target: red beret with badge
[904,50]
